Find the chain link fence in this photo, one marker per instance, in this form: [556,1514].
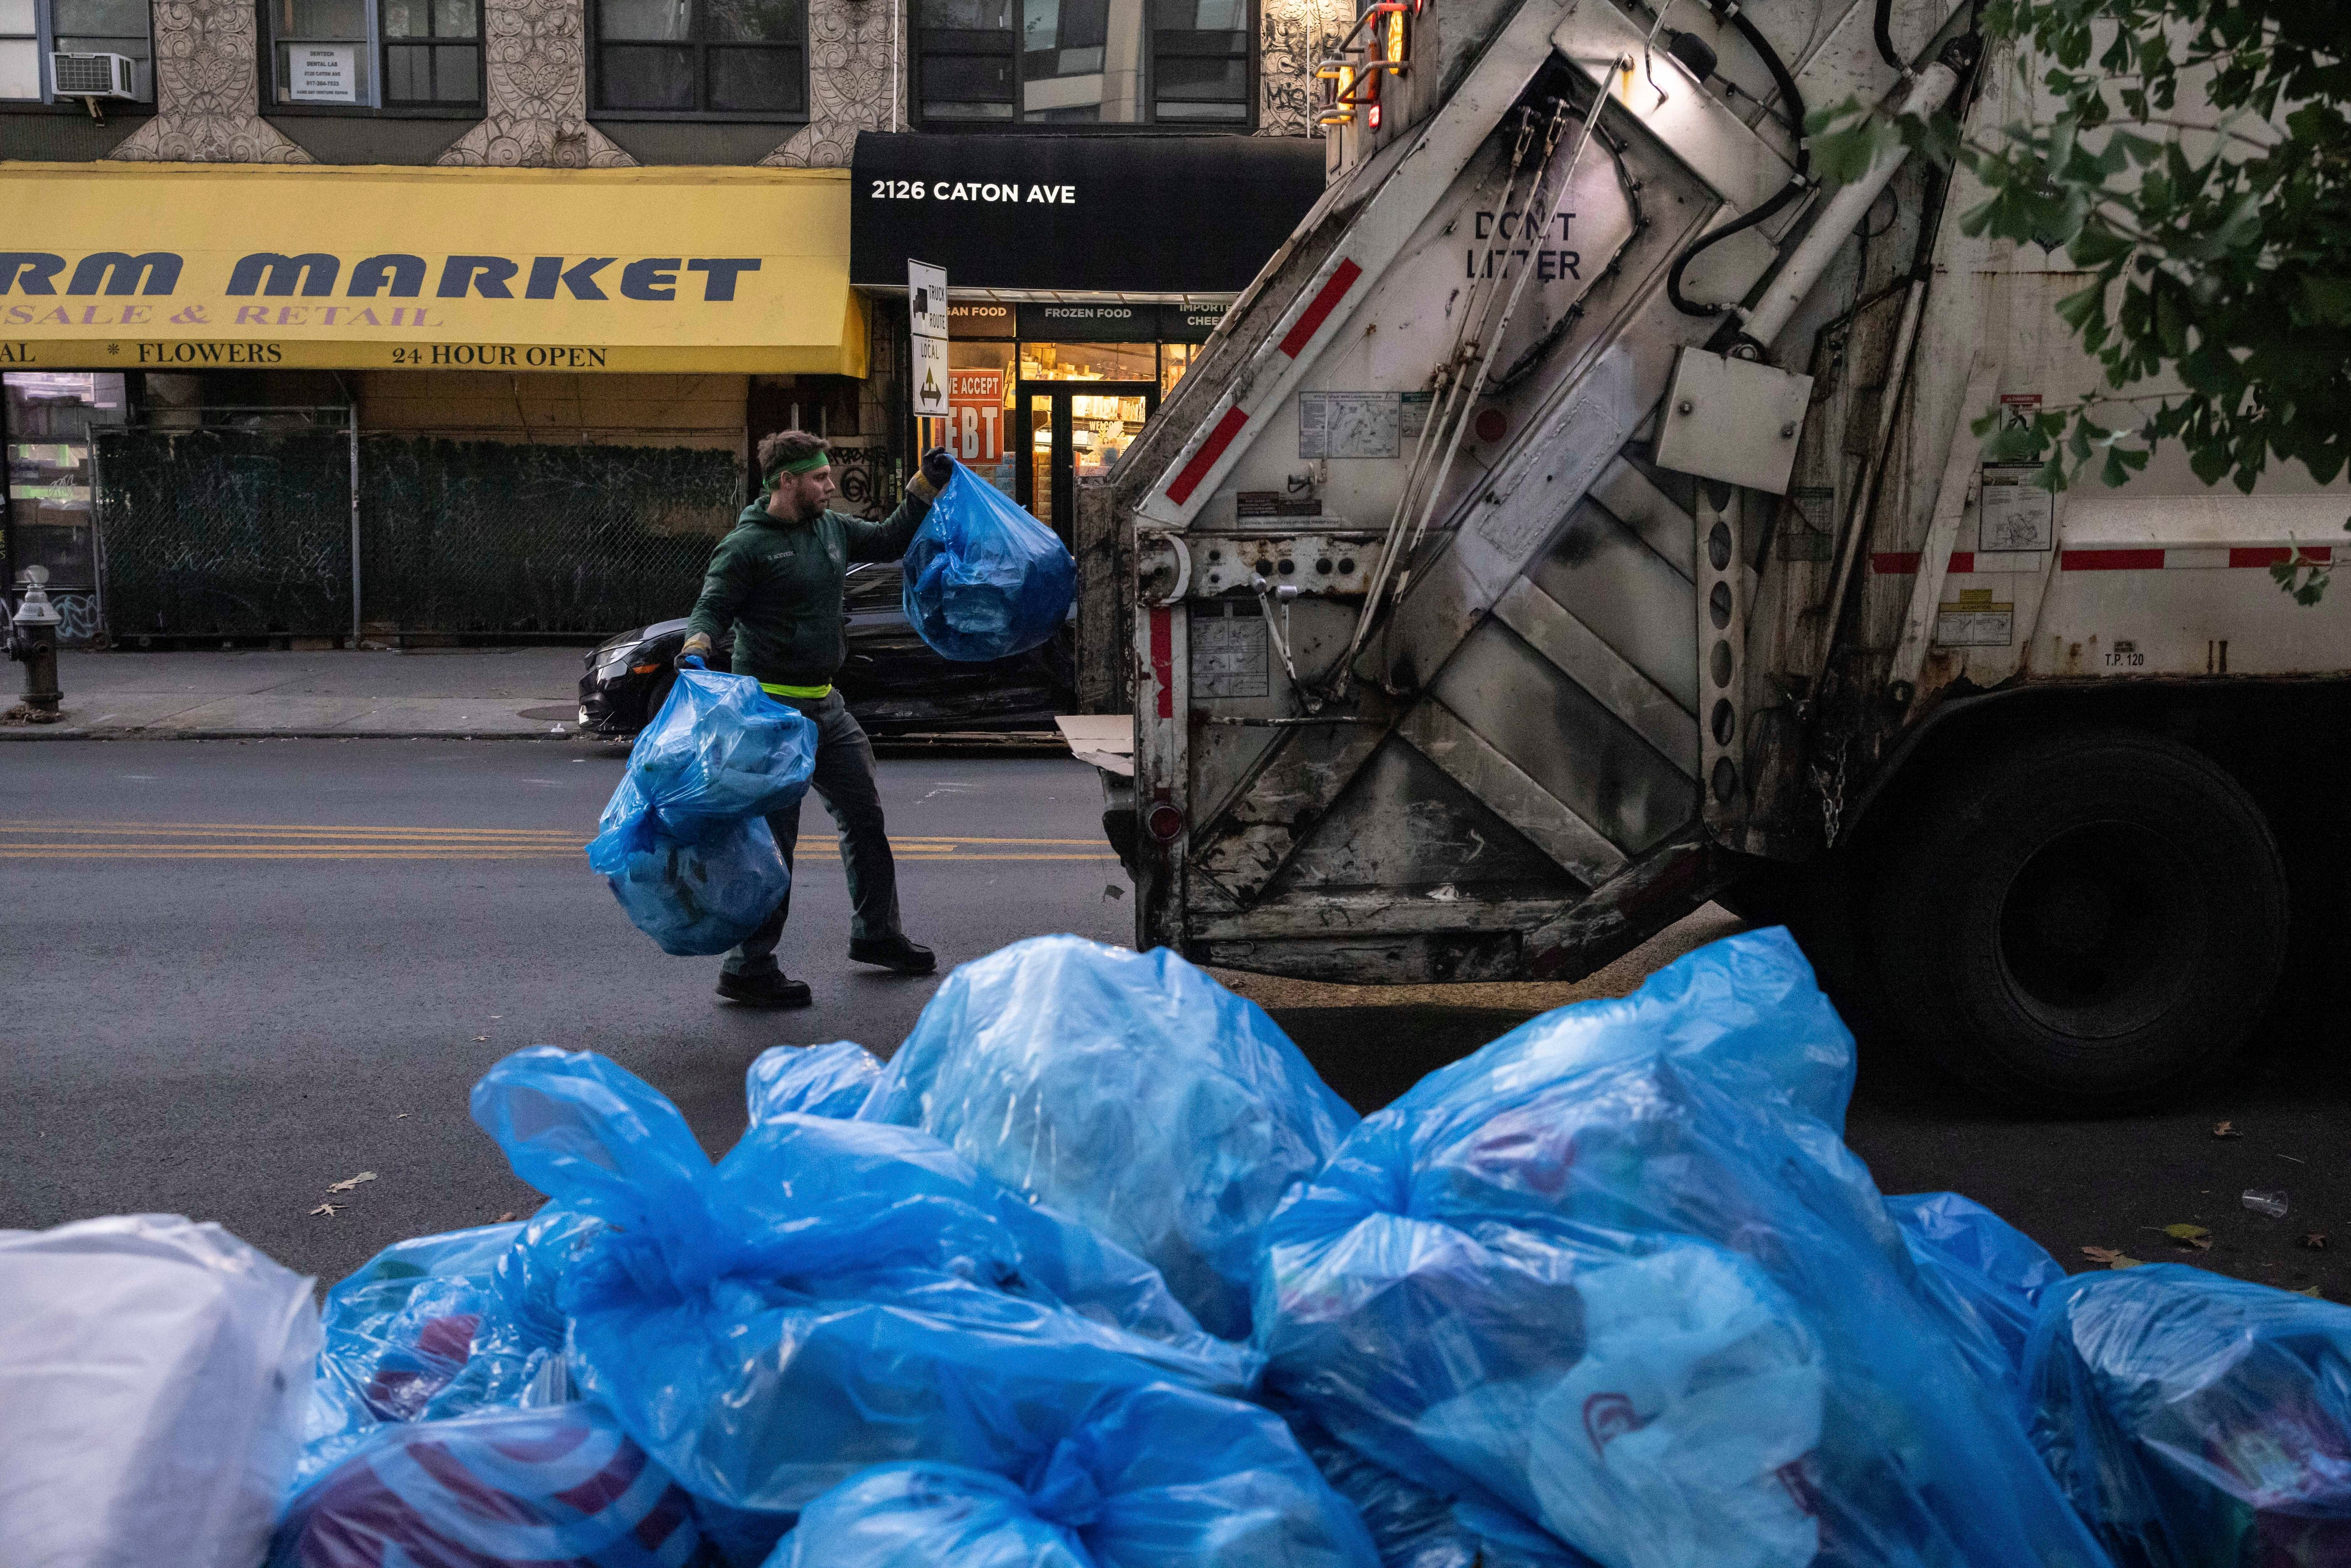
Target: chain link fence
[223,531]
[484,537]
[227,532]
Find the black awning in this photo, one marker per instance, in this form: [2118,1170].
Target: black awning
[1133,214]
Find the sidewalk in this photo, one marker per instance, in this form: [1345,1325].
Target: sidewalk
[457,692]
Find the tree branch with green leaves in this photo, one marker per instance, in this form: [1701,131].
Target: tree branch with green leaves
[2216,256]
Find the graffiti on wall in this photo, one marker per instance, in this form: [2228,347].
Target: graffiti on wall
[79,624]
[1292,35]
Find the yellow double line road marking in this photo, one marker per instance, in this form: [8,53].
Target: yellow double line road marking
[26,839]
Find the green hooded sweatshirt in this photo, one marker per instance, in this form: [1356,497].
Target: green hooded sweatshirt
[778,584]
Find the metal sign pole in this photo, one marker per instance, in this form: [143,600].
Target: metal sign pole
[926,301]
[355,523]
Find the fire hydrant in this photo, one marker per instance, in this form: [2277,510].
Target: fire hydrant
[33,643]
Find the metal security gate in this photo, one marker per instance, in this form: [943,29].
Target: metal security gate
[491,537]
[249,530]
[227,531]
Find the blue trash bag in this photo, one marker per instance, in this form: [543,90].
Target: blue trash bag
[2198,1421]
[1646,1299]
[811,1081]
[1994,1272]
[1151,1477]
[693,899]
[419,1333]
[983,579]
[439,1326]
[720,749]
[530,1277]
[683,843]
[1129,1091]
[1413,1527]
[832,1295]
[556,1488]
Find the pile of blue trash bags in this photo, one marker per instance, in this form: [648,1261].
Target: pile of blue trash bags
[1095,1272]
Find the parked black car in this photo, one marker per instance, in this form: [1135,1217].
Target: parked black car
[893,682]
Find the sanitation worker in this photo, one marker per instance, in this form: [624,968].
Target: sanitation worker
[776,579]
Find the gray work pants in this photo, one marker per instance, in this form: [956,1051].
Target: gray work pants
[844,781]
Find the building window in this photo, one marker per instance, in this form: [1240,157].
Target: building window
[1084,62]
[35,33]
[1200,57]
[376,54]
[431,53]
[738,59]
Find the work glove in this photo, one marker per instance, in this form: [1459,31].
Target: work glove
[937,467]
[690,657]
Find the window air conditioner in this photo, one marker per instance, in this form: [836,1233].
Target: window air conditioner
[92,76]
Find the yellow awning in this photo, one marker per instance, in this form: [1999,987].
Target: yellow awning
[195,267]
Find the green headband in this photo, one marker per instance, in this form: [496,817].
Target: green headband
[809,464]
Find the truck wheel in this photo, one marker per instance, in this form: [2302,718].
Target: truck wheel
[2080,925]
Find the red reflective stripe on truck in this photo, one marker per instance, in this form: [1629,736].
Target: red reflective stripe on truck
[2112,560]
[1188,478]
[1904,562]
[1303,331]
[1163,658]
[2279,555]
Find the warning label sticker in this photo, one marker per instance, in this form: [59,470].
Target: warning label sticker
[1977,620]
[1228,656]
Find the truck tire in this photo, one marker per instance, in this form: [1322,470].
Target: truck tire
[2085,922]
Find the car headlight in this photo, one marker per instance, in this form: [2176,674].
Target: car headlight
[615,666]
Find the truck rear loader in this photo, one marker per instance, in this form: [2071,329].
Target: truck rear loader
[1583,517]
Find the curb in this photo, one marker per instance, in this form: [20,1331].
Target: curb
[27,732]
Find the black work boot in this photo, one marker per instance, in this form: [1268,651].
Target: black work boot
[771,990]
[892,953]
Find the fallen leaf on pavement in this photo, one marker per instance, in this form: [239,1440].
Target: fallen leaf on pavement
[481,1037]
[2314,1239]
[2111,1257]
[402,1117]
[326,1208]
[509,1215]
[2194,1236]
[2310,1291]
[2226,1130]
[350,1182]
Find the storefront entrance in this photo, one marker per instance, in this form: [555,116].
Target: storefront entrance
[1065,431]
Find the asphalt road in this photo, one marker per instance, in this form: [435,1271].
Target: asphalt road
[233,973]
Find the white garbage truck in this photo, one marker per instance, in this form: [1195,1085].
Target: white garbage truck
[1583,516]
